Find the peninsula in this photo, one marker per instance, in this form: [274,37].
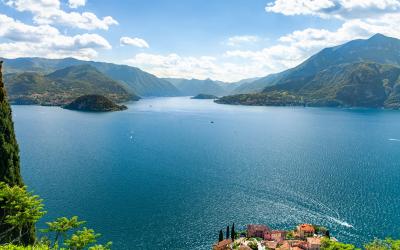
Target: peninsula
[94,103]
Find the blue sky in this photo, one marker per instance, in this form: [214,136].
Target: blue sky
[220,39]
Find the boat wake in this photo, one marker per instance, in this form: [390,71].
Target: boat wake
[340,222]
[393,139]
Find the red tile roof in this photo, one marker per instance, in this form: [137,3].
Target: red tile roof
[306,228]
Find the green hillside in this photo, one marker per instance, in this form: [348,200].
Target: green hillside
[63,86]
[136,80]
[362,73]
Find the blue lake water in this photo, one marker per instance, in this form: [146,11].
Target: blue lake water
[160,175]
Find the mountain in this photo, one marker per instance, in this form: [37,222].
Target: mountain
[361,73]
[194,87]
[254,85]
[64,85]
[94,103]
[138,81]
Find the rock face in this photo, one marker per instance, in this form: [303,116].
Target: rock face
[9,166]
[204,96]
[94,103]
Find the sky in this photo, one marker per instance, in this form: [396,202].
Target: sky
[226,40]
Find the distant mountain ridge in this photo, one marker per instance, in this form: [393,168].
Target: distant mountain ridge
[361,73]
[64,85]
[192,87]
[136,80]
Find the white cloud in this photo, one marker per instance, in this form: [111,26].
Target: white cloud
[288,51]
[202,67]
[76,3]
[49,12]
[238,40]
[299,7]
[137,42]
[342,9]
[46,41]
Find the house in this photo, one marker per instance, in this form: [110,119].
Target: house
[278,235]
[305,230]
[314,243]
[244,247]
[259,231]
[270,244]
[293,245]
[223,245]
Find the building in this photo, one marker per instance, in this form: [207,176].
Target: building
[305,230]
[270,244]
[223,245]
[278,235]
[314,243]
[259,231]
[244,247]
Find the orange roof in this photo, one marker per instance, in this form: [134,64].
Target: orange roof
[223,243]
[307,228]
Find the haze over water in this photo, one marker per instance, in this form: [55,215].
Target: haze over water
[161,175]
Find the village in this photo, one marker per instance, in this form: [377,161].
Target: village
[261,237]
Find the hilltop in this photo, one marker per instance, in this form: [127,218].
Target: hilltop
[95,103]
[62,86]
[133,79]
[360,73]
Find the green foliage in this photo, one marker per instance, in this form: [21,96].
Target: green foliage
[328,244]
[10,174]
[22,210]
[81,239]
[9,152]
[290,235]
[22,207]
[205,96]
[220,236]
[64,85]
[101,247]
[96,103]
[253,244]
[233,233]
[387,244]
[16,247]
[61,226]
[349,75]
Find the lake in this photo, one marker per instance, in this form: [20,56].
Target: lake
[169,173]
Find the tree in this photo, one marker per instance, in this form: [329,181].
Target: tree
[221,236]
[9,151]
[233,233]
[10,166]
[327,234]
[387,244]
[227,232]
[22,210]
[328,244]
[101,247]
[61,226]
[81,239]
